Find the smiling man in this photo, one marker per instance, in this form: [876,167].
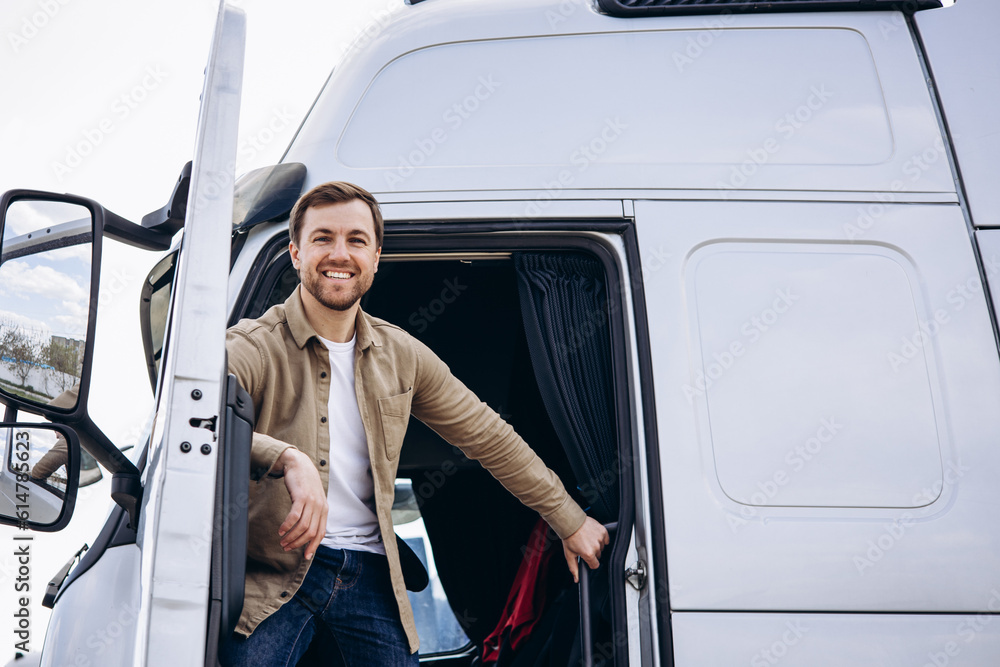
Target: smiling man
[333,389]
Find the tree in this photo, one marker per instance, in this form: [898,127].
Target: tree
[20,351]
[63,355]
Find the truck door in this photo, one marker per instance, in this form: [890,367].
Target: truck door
[179,482]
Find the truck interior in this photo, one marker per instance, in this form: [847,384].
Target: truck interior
[509,593]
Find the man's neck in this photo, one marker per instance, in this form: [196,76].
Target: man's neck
[334,325]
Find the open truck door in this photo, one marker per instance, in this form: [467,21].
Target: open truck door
[156,587]
[179,500]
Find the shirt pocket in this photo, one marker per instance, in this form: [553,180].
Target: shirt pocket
[394,412]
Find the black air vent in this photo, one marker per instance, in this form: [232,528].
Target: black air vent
[637,8]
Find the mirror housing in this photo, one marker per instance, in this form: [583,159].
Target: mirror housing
[39,475]
[53,241]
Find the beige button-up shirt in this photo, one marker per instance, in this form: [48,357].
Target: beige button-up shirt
[284,366]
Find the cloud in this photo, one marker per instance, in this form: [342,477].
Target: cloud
[12,319]
[73,319]
[23,280]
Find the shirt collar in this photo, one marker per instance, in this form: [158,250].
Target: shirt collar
[302,331]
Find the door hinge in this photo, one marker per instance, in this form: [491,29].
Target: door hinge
[636,575]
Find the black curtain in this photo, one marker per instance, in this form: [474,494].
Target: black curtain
[564,304]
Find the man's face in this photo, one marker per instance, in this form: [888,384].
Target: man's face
[336,255]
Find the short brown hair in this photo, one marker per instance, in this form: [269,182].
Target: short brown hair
[333,192]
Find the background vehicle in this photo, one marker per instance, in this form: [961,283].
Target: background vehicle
[776,371]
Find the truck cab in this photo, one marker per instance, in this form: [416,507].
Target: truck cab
[727,267]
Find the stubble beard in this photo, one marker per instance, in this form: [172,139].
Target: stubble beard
[340,302]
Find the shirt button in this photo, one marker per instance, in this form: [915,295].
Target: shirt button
[323,374]
[323,419]
[322,462]
[284,594]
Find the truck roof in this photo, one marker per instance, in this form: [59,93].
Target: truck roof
[527,96]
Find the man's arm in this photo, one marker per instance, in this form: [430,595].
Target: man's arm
[448,407]
[305,523]
[50,462]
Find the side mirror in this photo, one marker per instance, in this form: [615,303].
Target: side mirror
[50,268]
[39,477]
[47,283]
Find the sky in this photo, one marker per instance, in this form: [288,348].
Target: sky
[101,100]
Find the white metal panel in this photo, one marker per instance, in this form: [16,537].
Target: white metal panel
[839,640]
[417,110]
[674,194]
[849,427]
[649,111]
[97,616]
[175,529]
[964,57]
[941,556]
[515,212]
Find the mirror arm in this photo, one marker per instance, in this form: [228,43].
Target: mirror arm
[126,231]
[170,218]
[126,490]
[126,486]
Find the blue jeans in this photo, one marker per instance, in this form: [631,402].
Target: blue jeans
[345,608]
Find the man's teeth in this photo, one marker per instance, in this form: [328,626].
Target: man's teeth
[336,274]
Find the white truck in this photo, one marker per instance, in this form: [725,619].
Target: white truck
[732,262]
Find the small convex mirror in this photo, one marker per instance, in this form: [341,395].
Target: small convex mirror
[39,475]
[45,274]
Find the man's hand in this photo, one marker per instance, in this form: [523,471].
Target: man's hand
[306,522]
[586,543]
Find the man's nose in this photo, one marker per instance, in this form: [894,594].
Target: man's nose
[339,251]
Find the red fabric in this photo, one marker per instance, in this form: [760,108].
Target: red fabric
[527,595]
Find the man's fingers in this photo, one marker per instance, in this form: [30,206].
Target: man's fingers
[571,561]
[294,534]
[290,520]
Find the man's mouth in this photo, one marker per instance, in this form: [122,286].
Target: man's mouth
[340,275]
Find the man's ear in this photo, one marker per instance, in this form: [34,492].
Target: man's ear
[378,253]
[294,252]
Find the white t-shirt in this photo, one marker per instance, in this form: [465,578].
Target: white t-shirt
[351,522]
